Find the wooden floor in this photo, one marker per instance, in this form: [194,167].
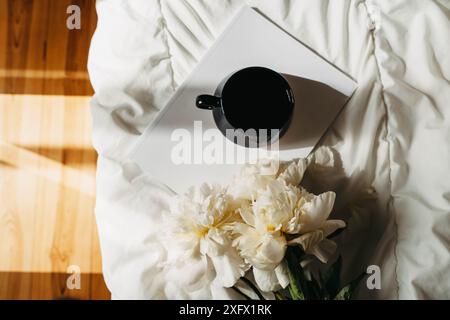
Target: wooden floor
[47,163]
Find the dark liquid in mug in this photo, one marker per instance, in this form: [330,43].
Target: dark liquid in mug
[257,98]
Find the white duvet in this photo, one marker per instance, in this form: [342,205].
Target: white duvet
[393,136]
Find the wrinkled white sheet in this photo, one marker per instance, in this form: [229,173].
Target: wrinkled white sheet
[394,134]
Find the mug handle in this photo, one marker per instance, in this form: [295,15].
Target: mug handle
[207,102]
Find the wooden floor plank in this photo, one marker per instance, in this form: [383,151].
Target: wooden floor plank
[38,43]
[49,286]
[47,163]
[49,191]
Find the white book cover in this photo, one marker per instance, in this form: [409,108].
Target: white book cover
[320,92]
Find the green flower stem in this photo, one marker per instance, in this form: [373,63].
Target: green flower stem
[297,287]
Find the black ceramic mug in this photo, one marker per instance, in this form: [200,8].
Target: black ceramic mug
[255,104]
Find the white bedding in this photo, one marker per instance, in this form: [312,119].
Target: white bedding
[394,134]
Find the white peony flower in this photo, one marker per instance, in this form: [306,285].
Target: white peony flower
[314,227]
[214,235]
[284,214]
[200,250]
[323,157]
[252,178]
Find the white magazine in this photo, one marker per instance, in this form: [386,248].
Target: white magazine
[320,92]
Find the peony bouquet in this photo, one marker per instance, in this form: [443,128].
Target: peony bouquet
[262,237]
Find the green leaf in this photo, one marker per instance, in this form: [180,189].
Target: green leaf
[294,270]
[315,289]
[346,292]
[321,280]
[332,278]
[294,287]
[279,296]
[283,294]
[301,287]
